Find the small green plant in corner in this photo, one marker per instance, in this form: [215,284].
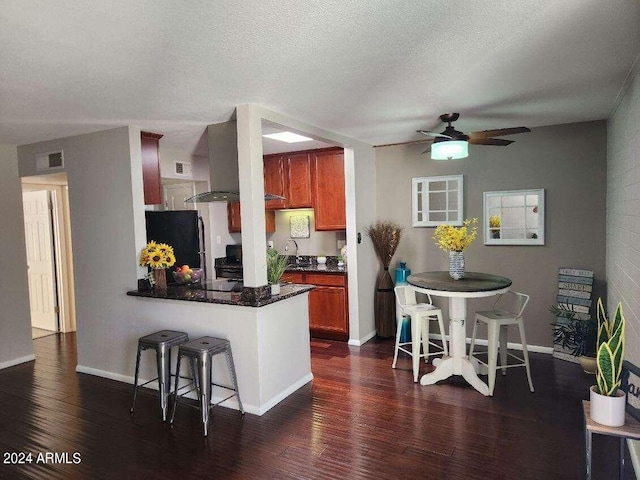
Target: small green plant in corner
[276,264]
[610,351]
[577,335]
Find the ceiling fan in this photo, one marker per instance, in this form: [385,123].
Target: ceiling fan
[453,144]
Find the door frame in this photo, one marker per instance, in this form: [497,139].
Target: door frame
[63,253]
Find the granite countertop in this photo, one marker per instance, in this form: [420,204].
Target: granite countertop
[191,294]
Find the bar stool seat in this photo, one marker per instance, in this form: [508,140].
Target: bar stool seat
[162,342]
[201,352]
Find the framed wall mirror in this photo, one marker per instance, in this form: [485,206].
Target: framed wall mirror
[514,217]
[437,200]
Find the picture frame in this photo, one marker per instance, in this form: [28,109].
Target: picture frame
[631,386]
[437,201]
[514,217]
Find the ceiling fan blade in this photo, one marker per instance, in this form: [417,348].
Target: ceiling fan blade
[433,134]
[413,142]
[499,132]
[428,150]
[500,142]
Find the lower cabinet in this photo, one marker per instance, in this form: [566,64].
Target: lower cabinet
[328,304]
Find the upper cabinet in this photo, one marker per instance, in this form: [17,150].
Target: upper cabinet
[327,177]
[290,177]
[151,168]
[274,181]
[235,223]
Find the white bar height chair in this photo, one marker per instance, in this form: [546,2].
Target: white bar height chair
[420,314]
[507,311]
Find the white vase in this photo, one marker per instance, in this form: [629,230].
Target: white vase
[275,289]
[606,410]
[456,265]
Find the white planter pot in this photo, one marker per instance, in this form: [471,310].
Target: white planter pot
[608,410]
[275,289]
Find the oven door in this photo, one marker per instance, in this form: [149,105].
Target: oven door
[229,271]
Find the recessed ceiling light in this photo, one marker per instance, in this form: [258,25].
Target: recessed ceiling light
[288,137]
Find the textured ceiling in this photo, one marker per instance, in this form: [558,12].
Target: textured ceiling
[375,71]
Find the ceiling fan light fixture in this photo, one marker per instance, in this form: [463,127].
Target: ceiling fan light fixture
[449,150]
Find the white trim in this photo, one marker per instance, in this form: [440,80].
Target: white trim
[426,207]
[17,361]
[511,345]
[363,340]
[514,241]
[253,409]
[279,397]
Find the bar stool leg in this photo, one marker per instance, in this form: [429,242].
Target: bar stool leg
[504,335]
[204,373]
[525,352]
[135,381]
[398,333]
[234,379]
[175,390]
[164,379]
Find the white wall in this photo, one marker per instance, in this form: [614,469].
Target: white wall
[16,345]
[623,213]
[107,227]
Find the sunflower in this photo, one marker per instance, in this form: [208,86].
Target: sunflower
[156,260]
[169,258]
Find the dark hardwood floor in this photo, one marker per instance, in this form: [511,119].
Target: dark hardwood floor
[357,419]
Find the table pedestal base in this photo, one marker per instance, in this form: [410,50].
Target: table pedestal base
[446,367]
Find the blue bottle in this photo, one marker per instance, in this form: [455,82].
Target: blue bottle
[402,273]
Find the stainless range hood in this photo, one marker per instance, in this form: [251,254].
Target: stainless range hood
[223,166]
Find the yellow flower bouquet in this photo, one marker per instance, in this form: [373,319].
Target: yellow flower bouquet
[159,257]
[456,239]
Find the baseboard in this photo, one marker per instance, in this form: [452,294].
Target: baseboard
[231,403]
[279,397]
[510,345]
[363,340]
[17,361]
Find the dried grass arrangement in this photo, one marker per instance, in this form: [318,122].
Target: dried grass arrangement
[385,236]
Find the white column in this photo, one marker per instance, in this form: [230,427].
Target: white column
[251,180]
[457,331]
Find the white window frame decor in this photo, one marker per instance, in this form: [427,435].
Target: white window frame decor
[421,211]
[494,237]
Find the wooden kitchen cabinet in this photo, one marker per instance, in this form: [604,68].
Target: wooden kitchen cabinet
[289,176]
[298,181]
[328,305]
[274,181]
[151,168]
[327,176]
[234,220]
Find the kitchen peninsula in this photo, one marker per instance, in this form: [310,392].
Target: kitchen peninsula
[270,341]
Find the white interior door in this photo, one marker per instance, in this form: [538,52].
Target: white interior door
[176,194]
[39,239]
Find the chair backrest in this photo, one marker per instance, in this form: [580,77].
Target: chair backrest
[512,302]
[407,295]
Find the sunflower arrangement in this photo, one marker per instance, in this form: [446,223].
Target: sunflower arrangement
[157,256]
[456,239]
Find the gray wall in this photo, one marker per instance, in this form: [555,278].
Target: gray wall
[318,243]
[15,320]
[623,214]
[568,161]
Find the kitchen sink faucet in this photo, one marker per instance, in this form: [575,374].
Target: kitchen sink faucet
[286,248]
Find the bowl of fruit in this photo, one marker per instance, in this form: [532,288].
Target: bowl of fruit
[185,275]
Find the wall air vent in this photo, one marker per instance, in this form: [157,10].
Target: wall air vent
[49,161]
[183,169]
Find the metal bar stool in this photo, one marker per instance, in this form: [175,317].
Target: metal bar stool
[201,351]
[161,342]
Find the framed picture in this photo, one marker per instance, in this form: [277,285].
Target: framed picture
[631,385]
[437,200]
[299,226]
[514,217]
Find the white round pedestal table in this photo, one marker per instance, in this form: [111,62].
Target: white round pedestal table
[473,285]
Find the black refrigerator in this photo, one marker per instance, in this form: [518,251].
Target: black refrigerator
[180,229]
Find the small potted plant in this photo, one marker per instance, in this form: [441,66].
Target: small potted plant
[576,335]
[276,265]
[607,399]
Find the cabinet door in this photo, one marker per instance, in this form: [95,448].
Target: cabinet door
[293,277]
[234,219]
[151,168]
[233,216]
[274,181]
[328,313]
[328,190]
[298,181]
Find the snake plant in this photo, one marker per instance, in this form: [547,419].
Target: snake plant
[610,351]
